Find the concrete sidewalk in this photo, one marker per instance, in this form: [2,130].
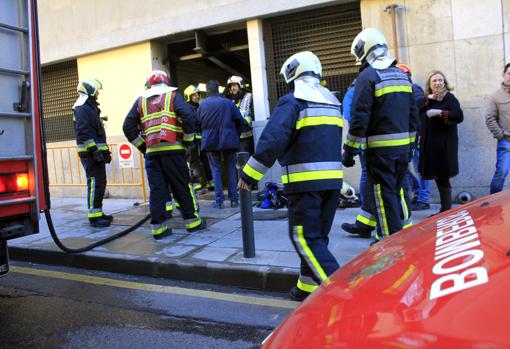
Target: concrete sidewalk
[214,255]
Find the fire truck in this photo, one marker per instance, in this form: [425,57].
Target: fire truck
[23,175]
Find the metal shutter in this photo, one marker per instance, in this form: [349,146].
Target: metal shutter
[327,32]
[59,83]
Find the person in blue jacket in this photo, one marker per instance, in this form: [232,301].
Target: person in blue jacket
[304,134]
[92,148]
[222,125]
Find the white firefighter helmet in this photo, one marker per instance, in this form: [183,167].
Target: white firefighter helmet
[371,46]
[89,87]
[190,90]
[235,80]
[301,64]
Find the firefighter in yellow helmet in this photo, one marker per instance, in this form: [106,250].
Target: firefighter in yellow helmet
[92,148]
[199,164]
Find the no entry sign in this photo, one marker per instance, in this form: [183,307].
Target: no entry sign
[126,159]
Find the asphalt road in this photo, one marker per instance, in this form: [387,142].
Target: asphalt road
[56,307]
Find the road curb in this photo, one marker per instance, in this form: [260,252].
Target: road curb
[254,277]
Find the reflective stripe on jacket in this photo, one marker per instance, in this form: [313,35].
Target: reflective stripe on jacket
[384,116]
[306,138]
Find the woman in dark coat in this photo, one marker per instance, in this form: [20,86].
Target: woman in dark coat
[439,140]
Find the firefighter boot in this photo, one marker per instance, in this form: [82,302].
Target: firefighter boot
[99,222]
[355,229]
[445,194]
[108,217]
[297,294]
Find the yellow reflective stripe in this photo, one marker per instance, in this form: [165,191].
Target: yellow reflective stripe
[312,176]
[404,204]
[306,287]
[82,148]
[198,136]
[352,144]
[194,224]
[301,238]
[391,89]
[248,120]
[366,221]
[158,115]
[159,231]
[144,108]
[188,137]
[139,142]
[95,214]
[192,193]
[104,147]
[382,211]
[407,225]
[158,128]
[92,192]
[389,143]
[169,207]
[252,173]
[90,144]
[168,98]
[319,121]
[168,147]
[246,135]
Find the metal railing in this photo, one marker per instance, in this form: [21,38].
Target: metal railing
[65,170]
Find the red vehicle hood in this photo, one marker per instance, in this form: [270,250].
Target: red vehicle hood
[443,283]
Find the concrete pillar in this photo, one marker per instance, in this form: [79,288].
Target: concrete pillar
[258,69]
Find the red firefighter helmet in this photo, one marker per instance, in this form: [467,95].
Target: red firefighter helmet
[404,68]
[157,77]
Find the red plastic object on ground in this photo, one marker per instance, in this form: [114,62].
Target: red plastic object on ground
[443,283]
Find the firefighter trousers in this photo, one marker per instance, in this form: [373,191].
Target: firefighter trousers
[168,174]
[96,186]
[311,215]
[386,198]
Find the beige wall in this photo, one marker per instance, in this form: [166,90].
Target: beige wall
[71,28]
[122,72]
[467,40]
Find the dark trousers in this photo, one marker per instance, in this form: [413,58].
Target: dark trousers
[216,158]
[311,215]
[386,174]
[96,185]
[170,170]
[199,165]
[247,145]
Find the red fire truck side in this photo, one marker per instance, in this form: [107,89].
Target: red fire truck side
[23,171]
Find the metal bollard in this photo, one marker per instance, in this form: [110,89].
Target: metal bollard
[246,211]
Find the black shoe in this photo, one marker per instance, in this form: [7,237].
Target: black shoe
[356,230]
[100,222]
[202,226]
[164,234]
[297,294]
[234,203]
[218,205]
[419,206]
[108,217]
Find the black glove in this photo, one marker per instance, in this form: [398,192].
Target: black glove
[98,156]
[348,159]
[108,157]
[143,148]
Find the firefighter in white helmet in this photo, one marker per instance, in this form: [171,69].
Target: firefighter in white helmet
[384,121]
[243,100]
[304,134]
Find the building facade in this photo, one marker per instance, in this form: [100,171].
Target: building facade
[120,42]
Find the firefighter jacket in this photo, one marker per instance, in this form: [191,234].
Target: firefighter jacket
[160,124]
[198,124]
[384,116]
[244,102]
[89,129]
[306,139]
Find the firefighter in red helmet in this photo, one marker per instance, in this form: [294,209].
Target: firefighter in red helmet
[160,124]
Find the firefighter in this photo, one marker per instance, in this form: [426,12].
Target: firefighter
[384,121]
[166,122]
[92,148]
[304,134]
[199,164]
[244,102]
